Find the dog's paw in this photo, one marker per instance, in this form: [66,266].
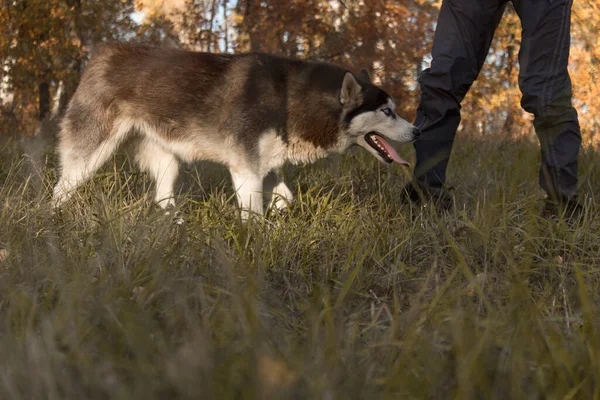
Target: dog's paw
[178,217]
[281,198]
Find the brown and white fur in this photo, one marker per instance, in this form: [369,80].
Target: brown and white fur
[250,112]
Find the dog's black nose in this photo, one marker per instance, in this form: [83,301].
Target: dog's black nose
[416,132]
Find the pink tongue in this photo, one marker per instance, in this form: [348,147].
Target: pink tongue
[392,152]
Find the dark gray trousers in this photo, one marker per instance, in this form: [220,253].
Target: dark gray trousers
[462,40]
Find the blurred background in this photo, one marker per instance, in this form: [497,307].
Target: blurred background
[45,44]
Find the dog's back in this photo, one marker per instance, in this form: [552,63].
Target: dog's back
[177,91]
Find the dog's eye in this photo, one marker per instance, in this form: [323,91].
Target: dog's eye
[387,111]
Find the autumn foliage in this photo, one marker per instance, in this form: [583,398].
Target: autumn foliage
[44,45]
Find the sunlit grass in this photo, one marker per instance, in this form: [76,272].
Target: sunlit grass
[350,294]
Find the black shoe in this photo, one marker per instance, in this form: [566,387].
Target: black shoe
[569,209]
[420,194]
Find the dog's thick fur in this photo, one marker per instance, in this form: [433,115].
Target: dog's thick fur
[249,112]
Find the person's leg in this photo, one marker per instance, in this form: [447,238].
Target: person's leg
[546,86]
[464,32]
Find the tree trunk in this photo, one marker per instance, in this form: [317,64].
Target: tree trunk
[247,24]
[226,27]
[69,85]
[211,36]
[44,100]
[369,48]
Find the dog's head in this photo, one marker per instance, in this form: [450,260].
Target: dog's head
[369,117]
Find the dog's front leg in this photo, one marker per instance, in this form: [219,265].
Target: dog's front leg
[276,192]
[248,188]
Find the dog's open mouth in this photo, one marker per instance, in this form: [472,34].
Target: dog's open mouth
[384,149]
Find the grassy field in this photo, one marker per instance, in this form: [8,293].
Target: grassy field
[350,295]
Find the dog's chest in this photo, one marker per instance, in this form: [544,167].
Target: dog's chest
[274,152]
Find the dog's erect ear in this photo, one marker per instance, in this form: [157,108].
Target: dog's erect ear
[364,75]
[351,92]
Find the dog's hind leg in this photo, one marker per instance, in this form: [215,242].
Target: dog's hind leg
[85,145]
[276,192]
[248,188]
[162,166]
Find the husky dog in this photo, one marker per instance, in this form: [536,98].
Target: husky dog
[250,112]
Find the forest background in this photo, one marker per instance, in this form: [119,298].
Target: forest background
[45,44]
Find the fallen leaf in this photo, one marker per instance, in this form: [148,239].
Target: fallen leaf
[480,280]
[558,260]
[3,255]
[137,292]
[274,374]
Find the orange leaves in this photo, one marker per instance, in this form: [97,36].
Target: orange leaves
[584,67]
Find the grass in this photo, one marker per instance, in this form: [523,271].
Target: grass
[350,295]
